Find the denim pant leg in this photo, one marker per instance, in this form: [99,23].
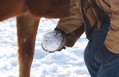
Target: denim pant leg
[97,39]
[110,69]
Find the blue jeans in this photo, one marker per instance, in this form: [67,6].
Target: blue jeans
[96,69]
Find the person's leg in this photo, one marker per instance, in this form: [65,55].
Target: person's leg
[110,69]
[97,39]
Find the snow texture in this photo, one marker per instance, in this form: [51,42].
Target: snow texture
[66,63]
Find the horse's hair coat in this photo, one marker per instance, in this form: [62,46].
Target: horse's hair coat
[28,14]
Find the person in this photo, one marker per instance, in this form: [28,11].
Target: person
[100,21]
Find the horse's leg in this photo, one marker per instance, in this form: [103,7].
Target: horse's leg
[26,30]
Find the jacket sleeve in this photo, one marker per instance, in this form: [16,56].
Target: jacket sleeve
[112,39]
[73,21]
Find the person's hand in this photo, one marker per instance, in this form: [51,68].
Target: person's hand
[104,56]
[54,41]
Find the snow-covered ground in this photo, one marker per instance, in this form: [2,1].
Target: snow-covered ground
[67,63]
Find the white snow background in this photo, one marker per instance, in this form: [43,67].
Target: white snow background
[67,63]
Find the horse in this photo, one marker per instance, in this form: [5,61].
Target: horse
[28,14]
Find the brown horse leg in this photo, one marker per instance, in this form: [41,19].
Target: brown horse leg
[26,30]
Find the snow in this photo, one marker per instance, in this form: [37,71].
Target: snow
[66,63]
